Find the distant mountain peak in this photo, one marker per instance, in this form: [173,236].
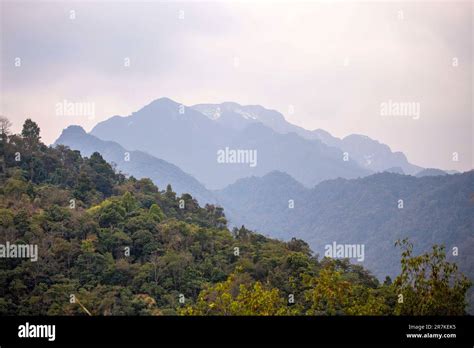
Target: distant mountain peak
[164,100]
[74,129]
[160,104]
[278,175]
[360,137]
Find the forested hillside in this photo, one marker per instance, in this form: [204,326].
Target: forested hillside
[376,211]
[111,245]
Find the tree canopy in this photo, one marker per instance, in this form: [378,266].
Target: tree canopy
[112,245]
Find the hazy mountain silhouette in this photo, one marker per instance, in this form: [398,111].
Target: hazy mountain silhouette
[430,172]
[191,140]
[368,153]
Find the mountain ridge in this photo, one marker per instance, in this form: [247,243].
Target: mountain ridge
[189,139]
[384,157]
[367,210]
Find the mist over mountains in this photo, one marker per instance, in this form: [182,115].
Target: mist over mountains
[190,137]
[354,201]
[374,211]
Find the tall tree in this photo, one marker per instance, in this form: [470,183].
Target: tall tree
[5,125]
[31,133]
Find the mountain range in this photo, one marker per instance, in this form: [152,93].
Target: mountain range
[355,201]
[191,137]
[368,153]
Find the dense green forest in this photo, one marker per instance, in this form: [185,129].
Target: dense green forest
[112,245]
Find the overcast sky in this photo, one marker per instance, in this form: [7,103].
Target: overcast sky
[333,64]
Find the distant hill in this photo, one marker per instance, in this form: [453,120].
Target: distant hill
[139,164]
[191,140]
[430,172]
[436,209]
[395,170]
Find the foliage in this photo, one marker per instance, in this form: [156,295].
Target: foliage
[428,284]
[111,245]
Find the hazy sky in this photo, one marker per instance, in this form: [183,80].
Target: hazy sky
[334,64]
